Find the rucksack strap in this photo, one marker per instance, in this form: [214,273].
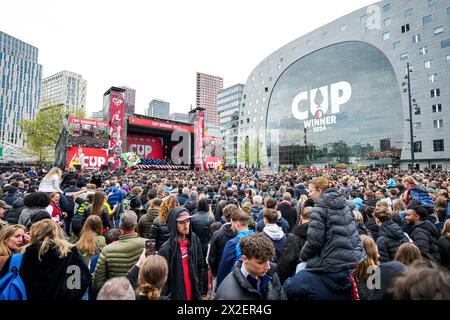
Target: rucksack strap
[16,261]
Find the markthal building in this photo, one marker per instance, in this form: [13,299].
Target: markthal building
[342,96]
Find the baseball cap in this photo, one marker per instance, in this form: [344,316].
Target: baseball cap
[183,216]
[4,205]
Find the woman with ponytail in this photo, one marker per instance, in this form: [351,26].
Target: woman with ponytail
[152,276]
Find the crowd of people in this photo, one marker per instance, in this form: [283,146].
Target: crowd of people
[231,234]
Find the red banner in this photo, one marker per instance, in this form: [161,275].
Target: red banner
[199,138]
[92,122]
[145,146]
[215,163]
[159,125]
[87,158]
[116,111]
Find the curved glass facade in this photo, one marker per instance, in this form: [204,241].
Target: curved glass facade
[340,104]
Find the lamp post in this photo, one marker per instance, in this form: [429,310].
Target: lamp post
[411,134]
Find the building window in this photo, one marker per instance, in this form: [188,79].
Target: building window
[438,123]
[448,58]
[435,93]
[266,89]
[408,12]
[438,145]
[432,3]
[445,43]
[404,56]
[396,45]
[418,146]
[437,108]
[363,19]
[448,11]
[438,30]
[416,111]
[387,7]
[343,27]
[432,78]
[387,22]
[428,64]
[405,28]
[416,38]
[417,125]
[386,36]
[423,51]
[427,20]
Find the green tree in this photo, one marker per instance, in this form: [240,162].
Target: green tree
[42,133]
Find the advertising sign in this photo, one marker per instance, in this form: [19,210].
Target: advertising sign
[145,146]
[116,112]
[86,158]
[199,138]
[88,133]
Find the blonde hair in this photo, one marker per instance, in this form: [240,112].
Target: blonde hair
[54,171]
[398,206]
[361,274]
[322,183]
[407,253]
[247,207]
[6,233]
[91,229]
[152,276]
[47,233]
[358,216]
[441,203]
[409,180]
[167,204]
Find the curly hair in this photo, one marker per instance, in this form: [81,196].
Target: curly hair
[167,204]
[257,246]
[37,200]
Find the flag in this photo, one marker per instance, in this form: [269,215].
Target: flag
[131,158]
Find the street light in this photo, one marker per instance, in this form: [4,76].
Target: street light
[408,89]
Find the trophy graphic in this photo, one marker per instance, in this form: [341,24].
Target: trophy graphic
[318,100]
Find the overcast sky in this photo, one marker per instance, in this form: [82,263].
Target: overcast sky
[156,47]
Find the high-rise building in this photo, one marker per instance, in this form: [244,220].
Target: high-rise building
[228,104]
[158,108]
[130,100]
[66,88]
[206,96]
[20,86]
[180,117]
[98,115]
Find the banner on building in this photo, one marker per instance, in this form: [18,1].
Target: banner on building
[146,147]
[86,158]
[214,163]
[199,138]
[170,126]
[116,114]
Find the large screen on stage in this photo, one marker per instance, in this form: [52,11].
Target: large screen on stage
[88,133]
[148,147]
[86,158]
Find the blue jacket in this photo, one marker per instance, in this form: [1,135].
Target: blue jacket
[115,195]
[182,198]
[231,253]
[306,285]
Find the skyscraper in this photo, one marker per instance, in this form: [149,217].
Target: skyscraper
[158,108]
[20,86]
[206,96]
[130,100]
[66,88]
[228,104]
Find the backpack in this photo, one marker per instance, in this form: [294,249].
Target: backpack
[421,195]
[11,285]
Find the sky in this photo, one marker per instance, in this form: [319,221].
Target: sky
[156,47]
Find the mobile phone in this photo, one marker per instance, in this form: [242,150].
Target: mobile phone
[150,247]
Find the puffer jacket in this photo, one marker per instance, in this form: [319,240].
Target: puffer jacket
[425,237]
[333,243]
[13,214]
[26,214]
[201,226]
[236,287]
[117,258]
[390,237]
[159,232]
[115,195]
[146,222]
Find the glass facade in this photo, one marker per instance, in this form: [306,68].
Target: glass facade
[340,104]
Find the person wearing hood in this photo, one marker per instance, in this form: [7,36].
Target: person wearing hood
[183,253]
[219,240]
[274,233]
[232,251]
[290,255]
[390,235]
[333,247]
[271,203]
[191,204]
[288,212]
[423,232]
[253,277]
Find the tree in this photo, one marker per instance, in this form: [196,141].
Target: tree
[43,132]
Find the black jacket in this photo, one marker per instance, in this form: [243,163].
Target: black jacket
[222,204]
[362,229]
[333,241]
[373,228]
[425,237]
[236,287]
[444,250]
[390,237]
[48,279]
[13,214]
[217,244]
[201,226]
[171,251]
[160,232]
[289,213]
[290,256]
